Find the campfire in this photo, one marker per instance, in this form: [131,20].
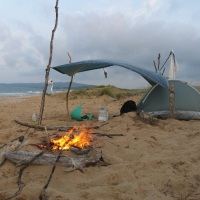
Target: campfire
[79,140]
[77,137]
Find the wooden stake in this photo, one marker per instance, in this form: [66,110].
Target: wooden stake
[69,87]
[172,100]
[48,67]
[158,61]
[67,96]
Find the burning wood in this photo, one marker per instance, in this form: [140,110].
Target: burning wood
[77,140]
[77,137]
[80,142]
[79,151]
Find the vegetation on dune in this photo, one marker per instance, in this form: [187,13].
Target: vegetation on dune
[107,91]
[98,91]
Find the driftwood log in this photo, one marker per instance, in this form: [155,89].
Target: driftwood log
[10,147]
[94,157]
[149,119]
[58,128]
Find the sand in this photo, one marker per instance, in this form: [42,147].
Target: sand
[148,162]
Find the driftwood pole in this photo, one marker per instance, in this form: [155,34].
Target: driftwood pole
[67,96]
[69,87]
[158,61]
[48,67]
[157,68]
[172,100]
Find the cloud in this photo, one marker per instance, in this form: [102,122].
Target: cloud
[133,32]
[93,36]
[23,54]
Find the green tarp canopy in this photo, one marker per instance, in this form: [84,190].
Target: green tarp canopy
[72,68]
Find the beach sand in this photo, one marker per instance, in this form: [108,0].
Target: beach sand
[148,162]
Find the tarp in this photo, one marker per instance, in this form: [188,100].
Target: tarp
[72,68]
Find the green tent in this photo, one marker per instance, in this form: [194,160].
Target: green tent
[187,101]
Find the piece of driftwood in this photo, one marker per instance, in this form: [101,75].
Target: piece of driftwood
[92,158]
[110,135]
[20,183]
[58,128]
[79,151]
[147,118]
[42,128]
[43,195]
[10,147]
[48,66]
[172,100]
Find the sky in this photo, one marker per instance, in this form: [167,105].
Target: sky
[132,31]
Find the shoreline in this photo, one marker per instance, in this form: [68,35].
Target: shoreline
[14,99]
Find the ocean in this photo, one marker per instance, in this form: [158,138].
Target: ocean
[31,89]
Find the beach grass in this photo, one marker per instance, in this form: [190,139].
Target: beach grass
[110,90]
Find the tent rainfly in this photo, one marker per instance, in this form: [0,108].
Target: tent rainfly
[155,102]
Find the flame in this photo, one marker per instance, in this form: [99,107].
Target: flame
[71,138]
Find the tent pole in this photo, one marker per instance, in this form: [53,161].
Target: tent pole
[172,100]
[67,95]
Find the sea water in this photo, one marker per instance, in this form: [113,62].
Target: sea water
[31,89]
[26,89]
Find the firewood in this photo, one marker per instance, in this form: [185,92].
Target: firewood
[11,146]
[147,118]
[58,128]
[92,158]
[43,192]
[79,151]
[110,135]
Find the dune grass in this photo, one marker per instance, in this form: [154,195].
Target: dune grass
[111,91]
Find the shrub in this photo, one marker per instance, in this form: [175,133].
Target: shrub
[81,92]
[106,91]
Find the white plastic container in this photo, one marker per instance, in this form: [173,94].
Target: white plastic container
[34,119]
[103,114]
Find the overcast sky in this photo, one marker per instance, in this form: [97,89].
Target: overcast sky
[133,31]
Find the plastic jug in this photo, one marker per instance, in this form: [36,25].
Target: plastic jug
[103,114]
[34,119]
